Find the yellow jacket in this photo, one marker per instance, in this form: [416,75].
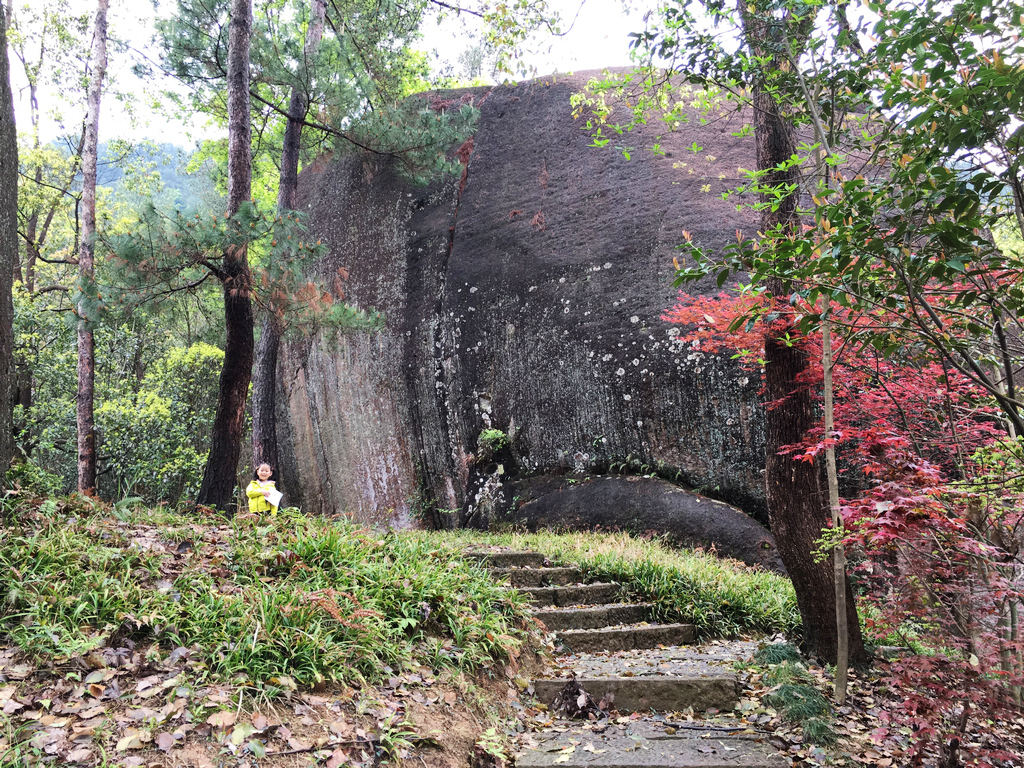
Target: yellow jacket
[257,503]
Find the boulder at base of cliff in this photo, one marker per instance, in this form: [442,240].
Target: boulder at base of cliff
[639,505]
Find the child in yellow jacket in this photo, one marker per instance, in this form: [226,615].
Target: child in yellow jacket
[261,490]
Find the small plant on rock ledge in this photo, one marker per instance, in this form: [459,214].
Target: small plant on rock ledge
[491,442]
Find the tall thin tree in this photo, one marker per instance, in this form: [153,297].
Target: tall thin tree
[220,474]
[86,289]
[264,424]
[8,243]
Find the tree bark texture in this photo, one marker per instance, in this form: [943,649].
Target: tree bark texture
[86,347]
[264,386]
[220,476]
[798,507]
[8,247]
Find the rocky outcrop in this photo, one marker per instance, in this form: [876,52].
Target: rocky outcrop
[525,298]
[639,505]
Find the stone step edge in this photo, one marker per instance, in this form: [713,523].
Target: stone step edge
[555,576]
[612,614]
[636,627]
[509,558]
[598,593]
[664,693]
[594,610]
[717,751]
[628,638]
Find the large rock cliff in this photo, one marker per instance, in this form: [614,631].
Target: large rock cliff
[525,297]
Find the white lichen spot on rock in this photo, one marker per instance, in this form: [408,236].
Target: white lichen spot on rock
[636,361]
[627,398]
[531,289]
[634,319]
[606,358]
[620,372]
[607,265]
[474,289]
[561,279]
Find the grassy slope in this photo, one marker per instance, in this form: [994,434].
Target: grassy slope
[723,598]
[294,597]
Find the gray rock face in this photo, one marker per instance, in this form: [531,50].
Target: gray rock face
[526,298]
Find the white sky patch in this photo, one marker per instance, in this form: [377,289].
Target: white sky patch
[596,36]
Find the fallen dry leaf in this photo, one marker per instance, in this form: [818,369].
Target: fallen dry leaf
[128,742]
[221,719]
[165,741]
[337,759]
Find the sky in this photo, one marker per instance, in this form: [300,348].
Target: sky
[595,36]
[598,38]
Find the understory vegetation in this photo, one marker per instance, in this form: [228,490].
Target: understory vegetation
[274,603]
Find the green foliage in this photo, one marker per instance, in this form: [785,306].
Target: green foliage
[722,598]
[356,83]
[776,653]
[169,254]
[295,600]
[155,439]
[491,441]
[917,155]
[795,697]
[155,402]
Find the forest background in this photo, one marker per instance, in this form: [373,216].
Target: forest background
[889,187]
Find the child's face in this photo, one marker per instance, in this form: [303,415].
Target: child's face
[263,472]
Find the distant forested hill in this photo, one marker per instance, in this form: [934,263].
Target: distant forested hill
[127,169]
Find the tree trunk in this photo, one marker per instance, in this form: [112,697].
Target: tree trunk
[264,387]
[220,476]
[86,315]
[798,508]
[8,247]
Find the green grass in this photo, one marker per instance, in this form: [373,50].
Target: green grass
[722,598]
[794,695]
[776,653]
[291,601]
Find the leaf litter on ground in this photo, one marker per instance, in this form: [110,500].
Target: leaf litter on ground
[123,693]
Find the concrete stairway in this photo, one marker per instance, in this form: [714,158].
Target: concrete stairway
[618,655]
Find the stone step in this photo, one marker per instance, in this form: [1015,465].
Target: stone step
[664,693]
[507,559]
[594,618]
[627,638]
[648,747]
[537,577]
[581,594]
